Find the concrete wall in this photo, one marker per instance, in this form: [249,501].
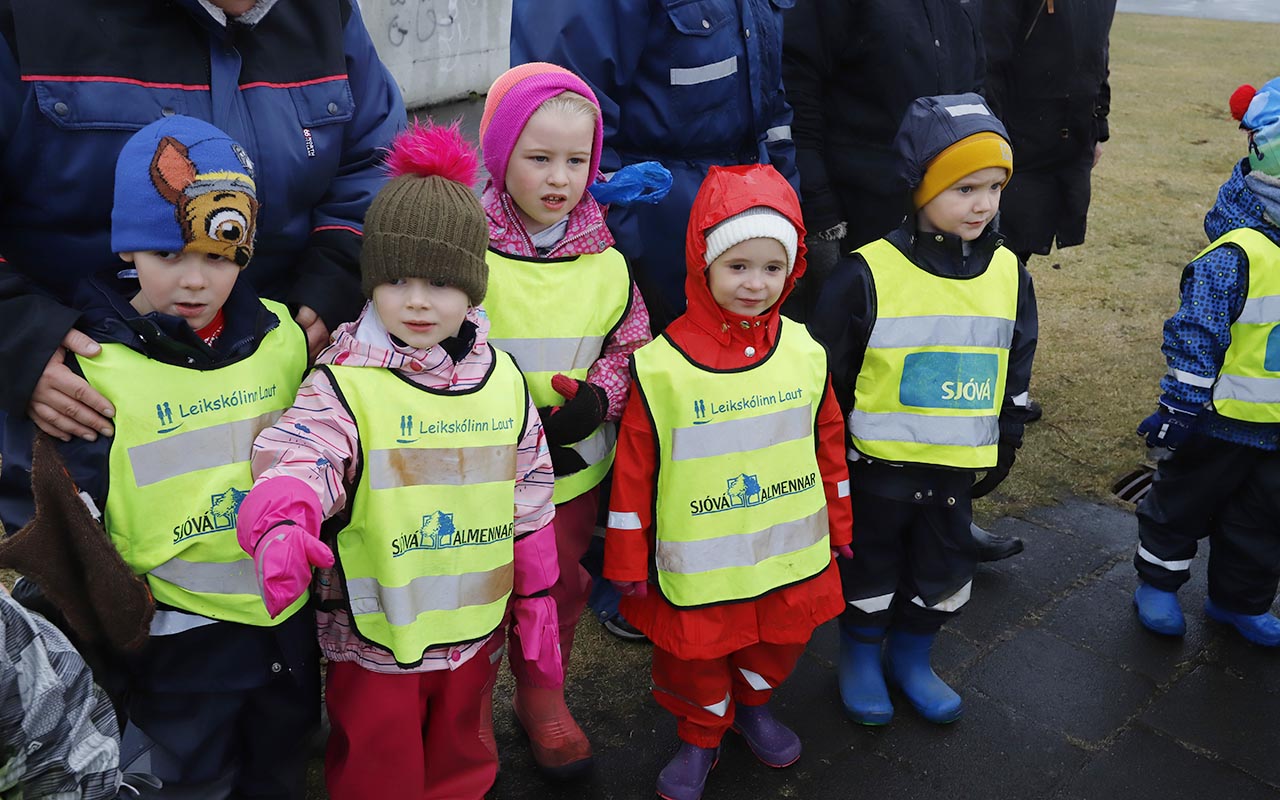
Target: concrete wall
[440,50]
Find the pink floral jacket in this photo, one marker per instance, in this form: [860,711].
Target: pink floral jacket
[317,442]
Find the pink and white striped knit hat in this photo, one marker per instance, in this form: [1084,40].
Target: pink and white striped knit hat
[512,100]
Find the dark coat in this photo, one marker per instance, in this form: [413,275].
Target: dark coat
[1047,79]
[302,90]
[851,68]
[847,312]
[224,656]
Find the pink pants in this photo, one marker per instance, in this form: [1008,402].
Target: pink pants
[414,735]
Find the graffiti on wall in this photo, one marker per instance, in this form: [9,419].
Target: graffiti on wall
[445,24]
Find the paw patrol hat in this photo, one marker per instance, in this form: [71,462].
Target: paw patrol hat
[182,184]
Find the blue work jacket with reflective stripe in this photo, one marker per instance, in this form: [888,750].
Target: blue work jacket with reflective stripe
[303,91]
[689,83]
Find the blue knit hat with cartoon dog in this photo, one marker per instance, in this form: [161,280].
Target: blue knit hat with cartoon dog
[182,184]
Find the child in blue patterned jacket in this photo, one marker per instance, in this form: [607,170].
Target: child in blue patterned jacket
[1219,412]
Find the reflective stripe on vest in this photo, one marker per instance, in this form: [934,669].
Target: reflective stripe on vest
[179,466]
[933,377]
[1248,384]
[741,508]
[428,553]
[555,315]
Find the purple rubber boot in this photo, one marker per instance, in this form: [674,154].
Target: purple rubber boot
[774,744]
[686,773]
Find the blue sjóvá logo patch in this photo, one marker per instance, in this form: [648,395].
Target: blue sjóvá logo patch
[949,380]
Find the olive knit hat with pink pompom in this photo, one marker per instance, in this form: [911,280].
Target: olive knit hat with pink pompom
[426,222]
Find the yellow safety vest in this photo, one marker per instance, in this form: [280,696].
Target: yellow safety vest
[1248,383]
[555,315]
[179,466]
[427,557]
[932,380]
[741,509]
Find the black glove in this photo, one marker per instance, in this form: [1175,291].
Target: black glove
[1006,454]
[577,418]
[565,460]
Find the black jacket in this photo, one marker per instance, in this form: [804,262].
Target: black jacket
[850,69]
[1047,76]
[847,312]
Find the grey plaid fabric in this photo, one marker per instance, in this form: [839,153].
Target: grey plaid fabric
[58,734]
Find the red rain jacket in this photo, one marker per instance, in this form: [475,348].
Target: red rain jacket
[719,339]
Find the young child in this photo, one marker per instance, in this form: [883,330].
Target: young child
[731,480]
[562,302]
[417,440]
[1219,411]
[931,332]
[223,696]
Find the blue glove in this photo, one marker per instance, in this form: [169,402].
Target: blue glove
[1171,425]
[645,182]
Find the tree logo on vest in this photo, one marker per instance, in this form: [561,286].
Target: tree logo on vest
[745,491]
[949,380]
[224,507]
[438,532]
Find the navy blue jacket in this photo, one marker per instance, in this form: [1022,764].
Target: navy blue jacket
[223,656]
[847,312]
[689,83]
[303,90]
[1213,290]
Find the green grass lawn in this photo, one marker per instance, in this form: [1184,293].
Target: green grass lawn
[1173,142]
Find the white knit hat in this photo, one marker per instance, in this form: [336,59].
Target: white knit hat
[758,222]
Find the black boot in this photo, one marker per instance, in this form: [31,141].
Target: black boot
[1034,411]
[993,546]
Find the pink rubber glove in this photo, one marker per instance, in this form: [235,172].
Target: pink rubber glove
[842,551]
[538,632]
[632,588]
[279,525]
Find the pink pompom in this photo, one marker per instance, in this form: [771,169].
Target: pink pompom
[430,149]
[1240,100]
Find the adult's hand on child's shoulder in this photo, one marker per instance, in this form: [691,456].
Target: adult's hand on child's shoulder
[63,404]
[315,329]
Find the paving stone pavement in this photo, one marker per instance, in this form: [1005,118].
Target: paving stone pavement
[1066,698]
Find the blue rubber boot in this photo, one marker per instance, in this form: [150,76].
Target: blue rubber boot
[907,667]
[685,774]
[1263,629]
[1158,610]
[862,687]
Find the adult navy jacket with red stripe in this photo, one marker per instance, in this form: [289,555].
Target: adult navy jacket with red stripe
[303,90]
